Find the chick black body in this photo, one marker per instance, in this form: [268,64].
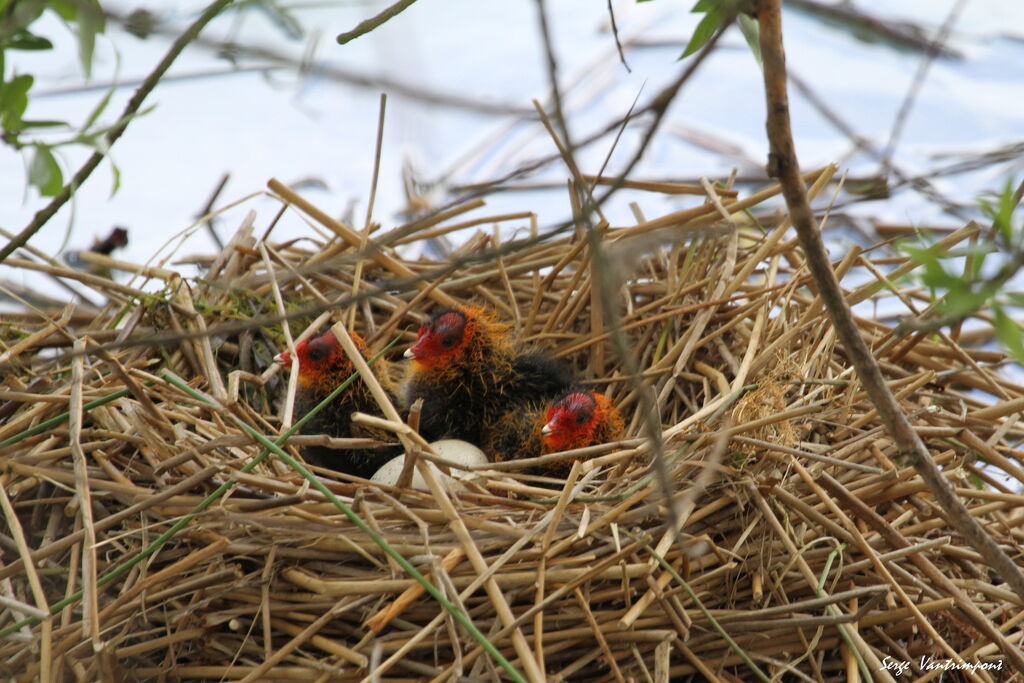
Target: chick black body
[466,370]
[323,366]
[576,419]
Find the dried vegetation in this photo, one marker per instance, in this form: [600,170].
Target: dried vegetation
[802,534]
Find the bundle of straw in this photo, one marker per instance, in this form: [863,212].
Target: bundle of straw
[757,522]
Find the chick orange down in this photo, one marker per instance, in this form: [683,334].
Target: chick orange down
[323,365]
[467,371]
[577,419]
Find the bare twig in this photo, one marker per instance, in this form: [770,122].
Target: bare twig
[552,64]
[783,165]
[615,34]
[934,48]
[377,20]
[208,208]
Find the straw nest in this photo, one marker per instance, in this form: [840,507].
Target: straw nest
[806,548]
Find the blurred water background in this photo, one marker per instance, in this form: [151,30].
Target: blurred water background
[292,104]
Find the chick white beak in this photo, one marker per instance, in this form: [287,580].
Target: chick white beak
[283,358]
[546,430]
[409,353]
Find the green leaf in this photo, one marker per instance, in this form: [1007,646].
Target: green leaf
[19,15]
[1015,298]
[961,300]
[936,276]
[751,31]
[42,123]
[1003,219]
[1009,334]
[100,106]
[67,9]
[116,184]
[712,21]
[22,39]
[979,252]
[1001,213]
[44,173]
[90,22]
[13,101]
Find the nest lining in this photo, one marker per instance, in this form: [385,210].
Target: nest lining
[768,440]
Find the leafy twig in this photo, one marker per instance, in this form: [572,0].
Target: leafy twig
[130,110]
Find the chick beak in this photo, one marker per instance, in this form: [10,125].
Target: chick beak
[546,430]
[411,351]
[283,358]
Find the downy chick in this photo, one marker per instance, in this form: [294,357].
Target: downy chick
[577,419]
[323,365]
[466,369]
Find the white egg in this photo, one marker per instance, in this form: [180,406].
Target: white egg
[390,471]
[461,452]
[454,450]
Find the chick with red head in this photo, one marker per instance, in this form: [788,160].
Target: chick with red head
[323,366]
[577,419]
[466,369]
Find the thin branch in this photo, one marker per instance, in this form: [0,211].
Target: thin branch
[552,64]
[915,86]
[208,209]
[782,164]
[615,34]
[130,110]
[375,21]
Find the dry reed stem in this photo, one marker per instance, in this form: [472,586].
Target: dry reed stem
[46,636]
[522,648]
[293,375]
[89,571]
[352,239]
[274,557]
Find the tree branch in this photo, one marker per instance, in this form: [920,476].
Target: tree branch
[373,22]
[782,163]
[133,106]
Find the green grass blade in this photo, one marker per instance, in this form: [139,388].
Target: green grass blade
[268,448]
[406,566]
[54,421]
[733,645]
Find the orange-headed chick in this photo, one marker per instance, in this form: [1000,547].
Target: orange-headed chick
[577,419]
[323,365]
[467,371]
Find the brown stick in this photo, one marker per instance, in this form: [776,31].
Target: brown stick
[381,619]
[782,164]
[895,539]
[353,239]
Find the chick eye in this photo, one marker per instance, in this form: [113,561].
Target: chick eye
[581,418]
[316,353]
[448,341]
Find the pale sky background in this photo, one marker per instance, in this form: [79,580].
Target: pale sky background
[257,125]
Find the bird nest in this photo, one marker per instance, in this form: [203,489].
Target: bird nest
[757,520]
